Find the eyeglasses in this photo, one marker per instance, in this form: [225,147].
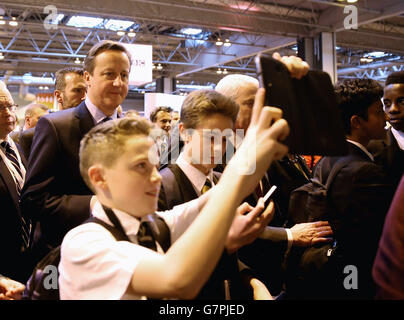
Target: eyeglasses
[12,107]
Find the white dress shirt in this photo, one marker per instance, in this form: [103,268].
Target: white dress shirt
[95,266]
[96,113]
[399,135]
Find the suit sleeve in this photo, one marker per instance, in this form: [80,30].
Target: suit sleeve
[42,196]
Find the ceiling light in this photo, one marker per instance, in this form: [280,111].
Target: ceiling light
[153,66]
[1,56]
[131,33]
[225,71]
[227,43]
[40,88]
[116,24]
[120,33]
[159,66]
[84,22]
[13,22]
[2,22]
[143,92]
[219,42]
[352,1]
[46,88]
[219,71]
[77,61]
[191,31]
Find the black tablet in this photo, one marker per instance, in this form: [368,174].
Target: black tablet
[309,105]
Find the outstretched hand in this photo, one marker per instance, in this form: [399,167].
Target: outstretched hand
[296,66]
[10,289]
[309,233]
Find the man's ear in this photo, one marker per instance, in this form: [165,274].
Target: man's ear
[183,132]
[58,96]
[86,77]
[96,175]
[27,120]
[356,122]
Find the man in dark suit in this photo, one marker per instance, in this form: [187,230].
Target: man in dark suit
[359,194]
[392,156]
[55,194]
[15,232]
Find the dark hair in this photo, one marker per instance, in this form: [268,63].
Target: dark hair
[153,115]
[89,61]
[355,96]
[60,82]
[395,77]
[201,103]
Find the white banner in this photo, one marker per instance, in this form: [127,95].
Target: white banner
[142,61]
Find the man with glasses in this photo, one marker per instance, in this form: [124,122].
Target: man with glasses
[15,232]
[55,194]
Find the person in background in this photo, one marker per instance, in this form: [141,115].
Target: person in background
[70,87]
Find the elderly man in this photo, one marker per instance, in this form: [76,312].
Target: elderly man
[15,231]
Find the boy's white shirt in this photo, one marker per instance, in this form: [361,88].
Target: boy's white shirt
[96,266]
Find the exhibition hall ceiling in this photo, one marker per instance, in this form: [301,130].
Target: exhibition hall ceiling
[196,41]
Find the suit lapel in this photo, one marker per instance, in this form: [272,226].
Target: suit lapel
[187,189]
[84,118]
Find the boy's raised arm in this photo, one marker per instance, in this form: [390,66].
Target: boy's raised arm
[186,266]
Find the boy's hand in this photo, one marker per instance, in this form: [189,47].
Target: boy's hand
[261,144]
[248,224]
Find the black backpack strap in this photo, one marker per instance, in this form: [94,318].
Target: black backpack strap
[118,234]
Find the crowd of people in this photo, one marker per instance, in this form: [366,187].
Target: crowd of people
[172,206]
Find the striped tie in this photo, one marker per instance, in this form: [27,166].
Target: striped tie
[12,156]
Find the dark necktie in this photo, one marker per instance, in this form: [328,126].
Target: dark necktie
[145,236]
[106,119]
[206,186]
[12,156]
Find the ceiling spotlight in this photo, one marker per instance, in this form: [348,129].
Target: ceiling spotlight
[2,22]
[159,66]
[13,22]
[352,1]
[153,66]
[143,92]
[120,33]
[77,61]
[227,43]
[40,88]
[219,42]
[219,71]
[46,88]
[225,71]
[1,56]
[131,33]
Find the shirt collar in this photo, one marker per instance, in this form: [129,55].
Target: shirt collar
[399,135]
[96,113]
[129,223]
[196,177]
[362,148]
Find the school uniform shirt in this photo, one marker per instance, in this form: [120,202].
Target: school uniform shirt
[95,266]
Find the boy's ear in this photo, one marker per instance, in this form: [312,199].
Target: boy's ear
[96,175]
